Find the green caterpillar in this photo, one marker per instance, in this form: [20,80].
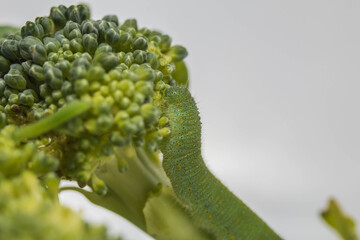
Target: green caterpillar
[213,206]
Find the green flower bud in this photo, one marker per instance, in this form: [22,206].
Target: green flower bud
[77,73]
[111,18]
[89,26]
[117,139]
[90,43]
[37,72]
[165,43]
[57,14]
[56,95]
[133,67]
[177,53]
[125,41]
[64,66]
[139,142]
[41,163]
[156,39]
[66,88]
[74,128]
[69,26]
[103,26]
[144,87]
[127,87]
[48,64]
[139,122]
[150,113]
[160,85]
[81,86]
[38,53]
[15,79]
[121,56]
[75,34]
[65,45]
[115,75]
[13,99]
[151,58]
[32,29]
[122,67]
[68,55]
[4,65]
[104,122]
[104,107]
[117,95]
[54,77]
[145,31]
[163,121]
[44,90]
[138,98]
[168,69]
[131,75]
[82,62]
[103,48]
[121,163]
[84,11]
[146,73]
[59,35]
[10,50]
[139,56]
[77,55]
[107,149]
[107,60]
[25,44]
[47,24]
[26,66]
[165,131]
[83,177]
[129,23]
[133,109]
[112,37]
[121,116]
[158,75]
[53,57]
[98,186]
[78,13]
[124,103]
[95,73]
[28,97]
[140,43]
[76,45]
[127,127]
[129,59]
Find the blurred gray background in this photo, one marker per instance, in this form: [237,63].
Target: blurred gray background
[277,84]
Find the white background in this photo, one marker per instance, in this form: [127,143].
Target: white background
[277,84]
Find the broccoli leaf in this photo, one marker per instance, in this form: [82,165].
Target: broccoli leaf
[343,224]
[5,30]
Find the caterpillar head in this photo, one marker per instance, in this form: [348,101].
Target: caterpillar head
[177,94]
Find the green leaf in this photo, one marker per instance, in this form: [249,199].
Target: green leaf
[343,224]
[6,30]
[181,75]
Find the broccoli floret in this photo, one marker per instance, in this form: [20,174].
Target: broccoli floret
[118,70]
[28,212]
[82,99]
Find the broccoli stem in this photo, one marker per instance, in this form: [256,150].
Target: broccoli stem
[49,123]
[129,192]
